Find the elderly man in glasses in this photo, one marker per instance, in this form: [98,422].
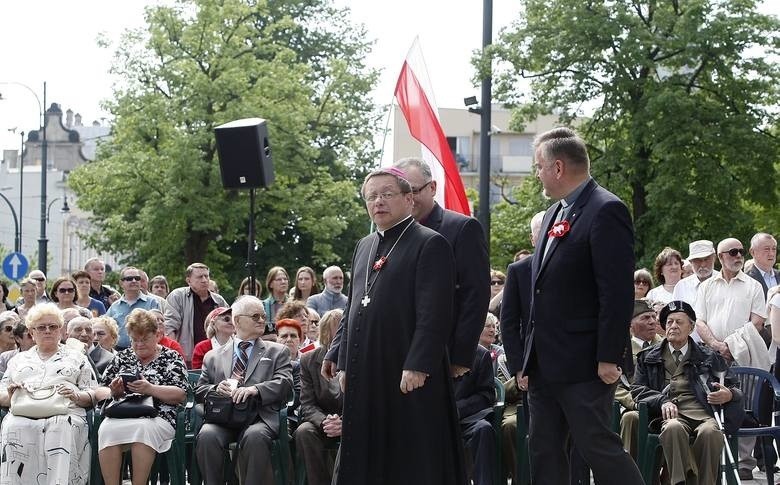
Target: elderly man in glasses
[39,277]
[731,311]
[132,298]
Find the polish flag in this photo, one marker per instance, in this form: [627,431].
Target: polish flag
[416,102]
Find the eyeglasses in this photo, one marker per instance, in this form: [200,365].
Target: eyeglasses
[642,282]
[496,283]
[144,340]
[38,278]
[315,321]
[8,328]
[65,290]
[225,318]
[51,327]
[383,196]
[733,252]
[421,188]
[257,317]
[131,278]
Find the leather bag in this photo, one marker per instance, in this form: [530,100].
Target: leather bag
[222,411]
[43,402]
[131,406]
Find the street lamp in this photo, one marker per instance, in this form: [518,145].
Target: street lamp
[17,235]
[64,209]
[42,241]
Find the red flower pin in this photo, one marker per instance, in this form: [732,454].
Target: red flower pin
[559,229]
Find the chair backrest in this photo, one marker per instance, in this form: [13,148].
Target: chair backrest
[751,381]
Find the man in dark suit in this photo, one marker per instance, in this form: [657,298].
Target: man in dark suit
[263,371]
[474,397]
[763,249]
[472,267]
[577,332]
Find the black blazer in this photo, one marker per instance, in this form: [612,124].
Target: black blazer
[582,293]
[515,310]
[475,393]
[472,274]
[756,275]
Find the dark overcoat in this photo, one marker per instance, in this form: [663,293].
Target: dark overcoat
[389,437]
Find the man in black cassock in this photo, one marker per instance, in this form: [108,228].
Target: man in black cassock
[399,421]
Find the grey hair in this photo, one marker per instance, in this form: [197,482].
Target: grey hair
[242,302]
[421,164]
[72,323]
[758,236]
[330,270]
[563,144]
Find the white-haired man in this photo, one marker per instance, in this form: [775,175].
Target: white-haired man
[763,248]
[331,297]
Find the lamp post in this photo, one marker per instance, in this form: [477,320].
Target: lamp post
[42,241]
[484,127]
[64,210]
[17,235]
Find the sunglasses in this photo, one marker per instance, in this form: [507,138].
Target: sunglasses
[225,318]
[733,252]
[38,278]
[131,278]
[496,283]
[8,328]
[315,321]
[257,317]
[66,290]
[641,282]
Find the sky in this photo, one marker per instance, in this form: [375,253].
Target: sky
[56,42]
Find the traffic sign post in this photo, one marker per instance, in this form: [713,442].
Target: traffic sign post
[15,266]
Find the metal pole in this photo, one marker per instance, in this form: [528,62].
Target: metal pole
[250,256]
[21,189]
[16,223]
[43,242]
[485,123]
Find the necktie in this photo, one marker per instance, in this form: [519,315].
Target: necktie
[645,345]
[240,366]
[677,356]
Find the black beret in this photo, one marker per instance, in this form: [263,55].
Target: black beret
[675,307]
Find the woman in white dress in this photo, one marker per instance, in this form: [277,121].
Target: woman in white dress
[53,449]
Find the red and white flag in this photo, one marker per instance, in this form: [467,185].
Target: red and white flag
[416,102]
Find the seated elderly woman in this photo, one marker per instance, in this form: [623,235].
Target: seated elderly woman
[105,332]
[23,342]
[667,379]
[45,436]
[8,319]
[321,404]
[219,331]
[159,372]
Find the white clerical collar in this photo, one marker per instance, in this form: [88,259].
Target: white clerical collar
[382,232]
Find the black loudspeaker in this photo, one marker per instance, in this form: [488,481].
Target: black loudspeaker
[244,154]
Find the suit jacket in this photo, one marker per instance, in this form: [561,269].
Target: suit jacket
[515,310]
[474,391]
[100,358]
[319,396]
[582,294]
[472,275]
[268,369]
[756,275]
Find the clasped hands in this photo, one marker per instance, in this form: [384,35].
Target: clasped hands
[239,394]
[139,386]
[331,425]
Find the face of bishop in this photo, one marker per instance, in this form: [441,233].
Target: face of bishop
[386,204]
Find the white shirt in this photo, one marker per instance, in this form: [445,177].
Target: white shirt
[769,277]
[683,350]
[660,295]
[726,305]
[686,288]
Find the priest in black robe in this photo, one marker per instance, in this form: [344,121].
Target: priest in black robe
[399,421]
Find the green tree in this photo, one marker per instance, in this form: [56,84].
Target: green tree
[155,190]
[510,221]
[682,95]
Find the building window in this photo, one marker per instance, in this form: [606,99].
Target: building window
[460,146]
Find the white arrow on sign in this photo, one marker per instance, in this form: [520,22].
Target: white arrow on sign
[15,263]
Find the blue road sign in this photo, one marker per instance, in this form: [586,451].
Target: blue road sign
[15,266]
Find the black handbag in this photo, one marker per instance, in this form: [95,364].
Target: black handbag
[131,406]
[222,411]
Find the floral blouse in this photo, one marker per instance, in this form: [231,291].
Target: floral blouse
[167,369]
[67,367]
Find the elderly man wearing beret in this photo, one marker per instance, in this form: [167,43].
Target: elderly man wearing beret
[668,379]
[644,324]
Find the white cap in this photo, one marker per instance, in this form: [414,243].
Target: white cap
[700,249]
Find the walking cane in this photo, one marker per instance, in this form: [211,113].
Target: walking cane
[726,456]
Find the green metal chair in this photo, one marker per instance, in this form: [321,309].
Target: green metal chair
[192,424]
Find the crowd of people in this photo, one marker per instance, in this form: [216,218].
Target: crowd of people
[78,345]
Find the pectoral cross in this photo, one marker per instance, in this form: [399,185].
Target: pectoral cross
[365,301]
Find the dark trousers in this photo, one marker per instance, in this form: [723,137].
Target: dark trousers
[480,442]
[253,457]
[584,411]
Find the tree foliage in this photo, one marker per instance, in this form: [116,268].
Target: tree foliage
[682,96]
[155,190]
